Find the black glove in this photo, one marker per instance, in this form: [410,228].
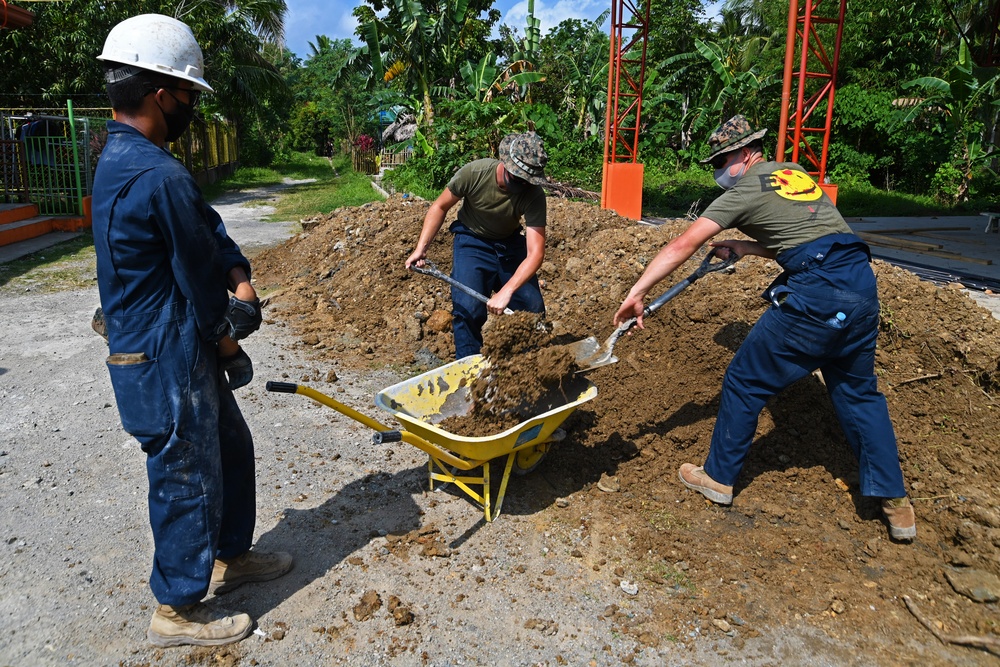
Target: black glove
[238,369]
[242,318]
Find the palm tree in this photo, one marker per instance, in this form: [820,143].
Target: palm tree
[957,103]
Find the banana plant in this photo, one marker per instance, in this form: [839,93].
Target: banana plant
[485,80]
[954,104]
[587,73]
[412,44]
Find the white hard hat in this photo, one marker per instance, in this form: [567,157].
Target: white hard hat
[158,44]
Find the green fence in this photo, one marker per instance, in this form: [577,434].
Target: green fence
[52,165]
[48,156]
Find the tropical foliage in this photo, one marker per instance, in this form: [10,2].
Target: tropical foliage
[916,106]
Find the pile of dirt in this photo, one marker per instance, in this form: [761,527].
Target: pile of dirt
[799,540]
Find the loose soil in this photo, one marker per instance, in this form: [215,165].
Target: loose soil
[799,541]
[599,557]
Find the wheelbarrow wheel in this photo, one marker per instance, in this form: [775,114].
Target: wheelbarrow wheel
[529,458]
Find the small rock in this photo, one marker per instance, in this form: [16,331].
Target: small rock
[369,604]
[843,524]
[439,321]
[608,483]
[722,624]
[961,559]
[974,584]
[562,502]
[838,607]
[628,587]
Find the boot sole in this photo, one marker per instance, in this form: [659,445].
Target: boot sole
[714,496]
[903,534]
[180,640]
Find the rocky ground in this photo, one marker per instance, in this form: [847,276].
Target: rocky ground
[600,556]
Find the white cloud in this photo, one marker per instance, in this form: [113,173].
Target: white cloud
[552,14]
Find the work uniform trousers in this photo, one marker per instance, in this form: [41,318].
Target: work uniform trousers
[485,266]
[789,342]
[199,454]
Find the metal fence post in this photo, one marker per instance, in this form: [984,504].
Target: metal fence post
[75,142]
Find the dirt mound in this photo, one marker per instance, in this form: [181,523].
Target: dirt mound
[799,539]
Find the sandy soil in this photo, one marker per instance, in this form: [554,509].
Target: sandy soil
[599,558]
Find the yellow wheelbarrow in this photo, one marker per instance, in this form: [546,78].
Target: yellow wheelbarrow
[422,402]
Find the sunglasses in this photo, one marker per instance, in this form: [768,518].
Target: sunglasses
[193,95]
[719,161]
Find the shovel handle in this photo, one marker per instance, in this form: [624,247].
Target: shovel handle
[706,266]
[431,270]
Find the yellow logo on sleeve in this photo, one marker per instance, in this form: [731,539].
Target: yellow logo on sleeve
[795,185]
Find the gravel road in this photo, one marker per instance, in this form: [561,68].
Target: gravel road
[451,589]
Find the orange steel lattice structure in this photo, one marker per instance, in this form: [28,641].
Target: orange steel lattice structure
[813,87]
[621,188]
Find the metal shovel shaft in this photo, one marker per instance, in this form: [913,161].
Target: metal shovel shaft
[432,271]
[604,355]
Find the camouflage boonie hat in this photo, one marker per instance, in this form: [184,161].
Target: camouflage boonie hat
[523,155]
[734,133]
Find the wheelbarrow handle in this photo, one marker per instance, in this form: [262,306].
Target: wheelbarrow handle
[431,270]
[706,266]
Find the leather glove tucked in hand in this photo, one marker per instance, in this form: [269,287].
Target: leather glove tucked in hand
[243,317]
[237,368]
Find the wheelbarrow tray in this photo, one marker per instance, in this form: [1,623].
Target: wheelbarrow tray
[425,400]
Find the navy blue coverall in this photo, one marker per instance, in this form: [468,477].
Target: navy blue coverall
[163,257]
[801,333]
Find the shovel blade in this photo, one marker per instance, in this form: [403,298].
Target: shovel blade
[604,354]
[584,349]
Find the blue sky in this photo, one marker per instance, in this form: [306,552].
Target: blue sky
[308,18]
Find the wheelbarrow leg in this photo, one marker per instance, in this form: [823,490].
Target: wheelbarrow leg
[486,492]
[503,484]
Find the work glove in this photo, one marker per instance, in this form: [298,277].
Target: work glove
[99,324]
[242,318]
[238,369]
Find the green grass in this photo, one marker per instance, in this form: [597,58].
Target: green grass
[335,184]
[64,266]
[872,202]
[414,180]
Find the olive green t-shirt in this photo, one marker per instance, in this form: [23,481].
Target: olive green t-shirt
[779,205]
[487,210]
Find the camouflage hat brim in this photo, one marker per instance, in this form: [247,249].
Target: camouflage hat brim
[749,139]
[515,166]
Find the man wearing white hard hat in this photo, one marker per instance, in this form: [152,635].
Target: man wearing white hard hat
[165,270]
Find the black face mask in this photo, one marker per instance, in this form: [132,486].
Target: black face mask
[178,121]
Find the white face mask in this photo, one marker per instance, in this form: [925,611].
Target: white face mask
[726,179]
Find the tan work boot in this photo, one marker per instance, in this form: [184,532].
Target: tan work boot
[902,522]
[197,625]
[694,477]
[252,566]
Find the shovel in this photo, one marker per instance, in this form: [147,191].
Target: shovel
[602,355]
[582,350]
[432,270]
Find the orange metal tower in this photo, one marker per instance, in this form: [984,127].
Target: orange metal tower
[815,85]
[621,188]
